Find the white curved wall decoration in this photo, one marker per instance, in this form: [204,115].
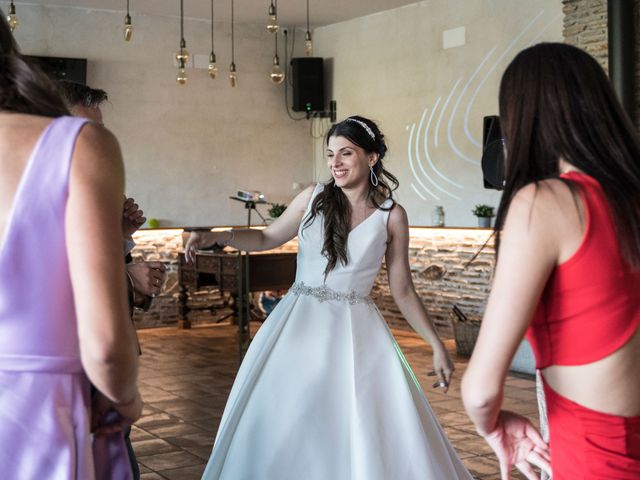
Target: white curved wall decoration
[429,100]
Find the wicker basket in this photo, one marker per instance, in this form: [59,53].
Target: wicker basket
[465,334]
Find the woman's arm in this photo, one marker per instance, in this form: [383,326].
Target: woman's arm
[404,293]
[528,253]
[283,229]
[93,226]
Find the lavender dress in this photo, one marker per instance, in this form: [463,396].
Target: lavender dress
[44,392]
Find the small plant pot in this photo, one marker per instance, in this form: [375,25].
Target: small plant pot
[484,222]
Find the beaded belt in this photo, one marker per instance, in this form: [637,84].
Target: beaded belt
[325,293]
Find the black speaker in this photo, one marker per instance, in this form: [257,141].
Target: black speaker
[307,77]
[58,68]
[492,153]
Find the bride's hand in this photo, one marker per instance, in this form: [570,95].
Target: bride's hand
[442,366]
[197,241]
[516,441]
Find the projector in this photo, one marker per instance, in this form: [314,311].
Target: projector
[250,196]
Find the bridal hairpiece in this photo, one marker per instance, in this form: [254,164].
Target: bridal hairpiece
[365,126]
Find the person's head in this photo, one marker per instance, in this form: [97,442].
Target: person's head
[24,88]
[556,104]
[82,100]
[355,148]
[355,151]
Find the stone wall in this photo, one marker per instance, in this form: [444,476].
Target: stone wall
[585,26]
[438,259]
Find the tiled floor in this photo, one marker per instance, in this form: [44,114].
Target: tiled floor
[186,375]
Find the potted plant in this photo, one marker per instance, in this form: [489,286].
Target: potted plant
[276,210]
[484,214]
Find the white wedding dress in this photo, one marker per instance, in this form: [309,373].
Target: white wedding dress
[324,392]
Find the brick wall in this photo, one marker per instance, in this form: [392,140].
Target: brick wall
[437,256]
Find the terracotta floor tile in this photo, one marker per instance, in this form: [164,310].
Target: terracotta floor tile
[186,376]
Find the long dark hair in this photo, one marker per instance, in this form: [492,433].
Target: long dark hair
[556,103]
[23,86]
[333,203]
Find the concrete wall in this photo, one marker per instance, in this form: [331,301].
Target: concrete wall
[186,148]
[430,100]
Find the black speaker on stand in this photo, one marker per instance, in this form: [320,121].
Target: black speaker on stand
[492,153]
[307,76]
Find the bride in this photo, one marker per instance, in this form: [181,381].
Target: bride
[324,392]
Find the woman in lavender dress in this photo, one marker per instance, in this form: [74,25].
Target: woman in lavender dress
[63,309]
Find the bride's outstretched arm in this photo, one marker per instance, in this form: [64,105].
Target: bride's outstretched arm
[404,293]
[283,229]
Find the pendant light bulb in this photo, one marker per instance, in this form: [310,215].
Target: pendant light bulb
[182,77]
[277,75]
[12,19]
[182,55]
[308,44]
[213,69]
[272,25]
[233,76]
[128,28]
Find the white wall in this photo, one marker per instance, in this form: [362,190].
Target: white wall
[187,148]
[392,67]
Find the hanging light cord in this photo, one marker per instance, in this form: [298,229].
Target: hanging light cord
[276,44]
[181,23]
[232,44]
[307,16]
[212,49]
[286,94]
[127,6]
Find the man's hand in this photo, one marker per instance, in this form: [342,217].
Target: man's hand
[147,277]
[132,217]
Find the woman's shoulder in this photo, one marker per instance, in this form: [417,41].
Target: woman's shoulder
[398,217]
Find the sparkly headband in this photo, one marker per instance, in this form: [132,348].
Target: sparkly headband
[363,125]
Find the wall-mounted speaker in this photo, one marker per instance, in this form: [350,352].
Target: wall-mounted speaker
[492,153]
[307,78]
[58,68]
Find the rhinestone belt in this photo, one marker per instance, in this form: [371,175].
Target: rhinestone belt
[325,293]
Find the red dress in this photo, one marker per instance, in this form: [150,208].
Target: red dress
[589,309]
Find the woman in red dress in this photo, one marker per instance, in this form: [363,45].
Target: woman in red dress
[568,272]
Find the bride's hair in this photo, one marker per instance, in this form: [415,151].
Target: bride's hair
[23,87]
[333,203]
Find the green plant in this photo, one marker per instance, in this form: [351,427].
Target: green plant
[482,210]
[276,209]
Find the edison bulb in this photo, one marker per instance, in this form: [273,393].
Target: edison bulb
[233,77]
[308,44]
[12,20]
[272,26]
[213,70]
[182,78]
[182,56]
[277,75]
[128,32]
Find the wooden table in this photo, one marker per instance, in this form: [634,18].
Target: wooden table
[228,271]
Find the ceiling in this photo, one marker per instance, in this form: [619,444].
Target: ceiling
[290,12]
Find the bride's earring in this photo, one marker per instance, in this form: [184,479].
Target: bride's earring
[373,177]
